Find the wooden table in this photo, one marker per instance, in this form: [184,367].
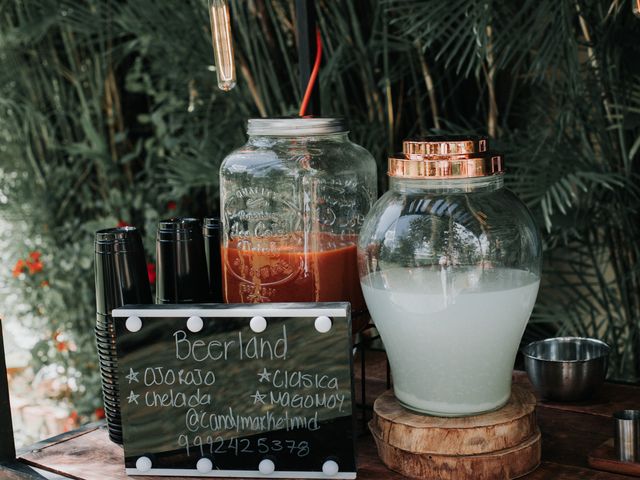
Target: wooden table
[569,433]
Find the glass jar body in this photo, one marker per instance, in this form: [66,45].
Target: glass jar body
[292,208]
[450,270]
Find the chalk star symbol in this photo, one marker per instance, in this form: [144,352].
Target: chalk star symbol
[133,398]
[264,375]
[133,376]
[258,397]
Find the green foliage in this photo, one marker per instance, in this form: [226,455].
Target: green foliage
[109,109]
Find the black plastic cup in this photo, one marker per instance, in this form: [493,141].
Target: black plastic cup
[112,395]
[181,270]
[104,323]
[121,279]
[108,368]
[114,417]
[111,401]
[105,335]
[111,410]
[106,361]
[105,349]
[121,270]
[111,388]
[109,374]
[106,355]
[111,380]
[105,340]
[211,233]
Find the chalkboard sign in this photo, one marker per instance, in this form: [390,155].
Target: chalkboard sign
[259,390]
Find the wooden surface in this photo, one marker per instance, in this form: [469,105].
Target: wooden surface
[605,458]
[569,433]
[506,464]
[507,427]
[501,444]
[7,474]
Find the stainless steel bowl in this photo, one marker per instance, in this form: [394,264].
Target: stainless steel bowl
[566,369]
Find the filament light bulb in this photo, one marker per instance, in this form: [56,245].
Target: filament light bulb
[222,44]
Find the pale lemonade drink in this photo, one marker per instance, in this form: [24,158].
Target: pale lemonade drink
[451,334]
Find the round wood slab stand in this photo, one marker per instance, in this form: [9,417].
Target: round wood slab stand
[503,444]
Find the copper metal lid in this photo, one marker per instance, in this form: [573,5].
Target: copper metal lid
[438,157]
[445,145]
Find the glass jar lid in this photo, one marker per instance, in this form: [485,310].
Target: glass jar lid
[445,156]
[295,126]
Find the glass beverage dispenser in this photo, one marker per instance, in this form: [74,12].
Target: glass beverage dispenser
[293,201]
[450,267]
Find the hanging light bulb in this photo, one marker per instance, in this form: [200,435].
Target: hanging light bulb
[222,44]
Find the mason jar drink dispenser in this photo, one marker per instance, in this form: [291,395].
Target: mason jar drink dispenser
[449,264]
[293,200]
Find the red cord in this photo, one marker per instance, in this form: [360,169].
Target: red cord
[313,76]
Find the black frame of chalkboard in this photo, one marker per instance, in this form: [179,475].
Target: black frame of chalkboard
[7,445]
[334,430]
[8,462]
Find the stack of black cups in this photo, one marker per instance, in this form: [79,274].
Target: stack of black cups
[182,269]
[188,271]
[188,255]
[121,279]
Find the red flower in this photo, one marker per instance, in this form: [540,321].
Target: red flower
[34,267]
[151,272]
[122,223]
[33,264]
[44,283]
[61,344]
[171,205]
[18,268]
[99,412]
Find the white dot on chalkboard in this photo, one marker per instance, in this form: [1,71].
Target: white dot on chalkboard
[195,324]
[143,464]
[323,324]
[266,467]
[133,324]
[258,324]
[330,468]
[204,465]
